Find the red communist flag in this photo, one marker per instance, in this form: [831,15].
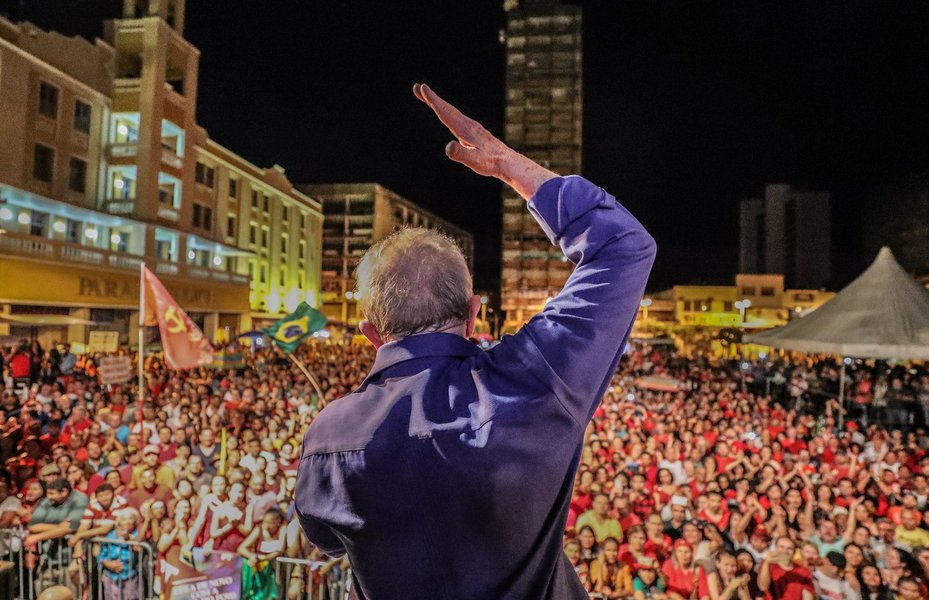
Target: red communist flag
[184,345]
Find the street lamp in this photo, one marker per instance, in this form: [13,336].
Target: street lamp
[484,300]
[645,303]
[742,305]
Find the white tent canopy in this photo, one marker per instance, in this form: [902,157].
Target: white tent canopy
[883,314]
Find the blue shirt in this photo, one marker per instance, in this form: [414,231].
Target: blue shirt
[124,553]
[448,472]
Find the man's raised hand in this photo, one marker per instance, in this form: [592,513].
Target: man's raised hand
[476,147]
[480,151]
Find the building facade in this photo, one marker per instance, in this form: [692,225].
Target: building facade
[787,231]
[755,301]
[358,215]
[103,168]
[543,121]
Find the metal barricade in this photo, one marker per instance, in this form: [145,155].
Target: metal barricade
[106,584]
[300,579]
[24,574]
[25,571]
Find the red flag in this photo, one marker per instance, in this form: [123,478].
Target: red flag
[184,345]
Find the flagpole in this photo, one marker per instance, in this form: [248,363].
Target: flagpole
[309,376]
[141,352]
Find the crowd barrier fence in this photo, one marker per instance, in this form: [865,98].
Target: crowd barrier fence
[25,573]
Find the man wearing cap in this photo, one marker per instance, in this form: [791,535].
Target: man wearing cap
[49,473]
[164,475]
[829,579]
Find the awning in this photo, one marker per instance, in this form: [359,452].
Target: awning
[45,320]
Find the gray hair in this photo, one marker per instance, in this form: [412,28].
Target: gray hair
[412,281]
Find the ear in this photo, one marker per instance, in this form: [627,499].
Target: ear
[474,307]
[371,333]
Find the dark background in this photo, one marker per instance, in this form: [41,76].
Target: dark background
[689,105]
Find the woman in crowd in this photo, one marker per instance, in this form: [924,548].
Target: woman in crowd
[262,546]
[611,577]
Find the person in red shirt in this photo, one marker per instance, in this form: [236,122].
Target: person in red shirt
[781,578]
[680,571]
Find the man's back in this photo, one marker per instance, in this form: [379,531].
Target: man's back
[444,494]
[448,474]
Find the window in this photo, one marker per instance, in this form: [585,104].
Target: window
[254,199]
[283,244]
[73,231]
[48,100]
[727,306]
[77,175]
[82,113]
[283,277]
[43,163]
[233,188]
[230,226]
[163,249]
[264,238]
[263,273]
[302,251]
[286,216]
[204,174]
[303,221]
[198,215]
[208,218]
[38,223]
[266,206]
[767,290]
[252,234]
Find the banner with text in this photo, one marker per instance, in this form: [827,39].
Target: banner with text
[115,369]
[217,576]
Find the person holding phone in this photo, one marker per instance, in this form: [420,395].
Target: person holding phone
[781,578]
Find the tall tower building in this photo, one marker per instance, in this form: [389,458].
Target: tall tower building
[787,232]
[543,121]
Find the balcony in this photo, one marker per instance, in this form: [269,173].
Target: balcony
[168,214]
[119,206]
[126,150]
[171,159]
[61,252]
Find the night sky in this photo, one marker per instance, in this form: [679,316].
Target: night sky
[689,105]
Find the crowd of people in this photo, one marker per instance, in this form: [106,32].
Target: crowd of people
[209,466]
[744,484]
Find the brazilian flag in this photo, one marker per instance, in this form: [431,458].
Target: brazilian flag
[290,331]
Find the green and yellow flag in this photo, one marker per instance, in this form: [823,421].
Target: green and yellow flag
[290,331]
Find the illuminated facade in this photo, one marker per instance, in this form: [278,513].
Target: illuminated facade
[543,121]
[356,216]
[103,167]
[769,304]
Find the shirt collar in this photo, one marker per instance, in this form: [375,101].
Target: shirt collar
[419,346]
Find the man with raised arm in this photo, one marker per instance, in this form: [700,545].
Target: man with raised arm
[448,472]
